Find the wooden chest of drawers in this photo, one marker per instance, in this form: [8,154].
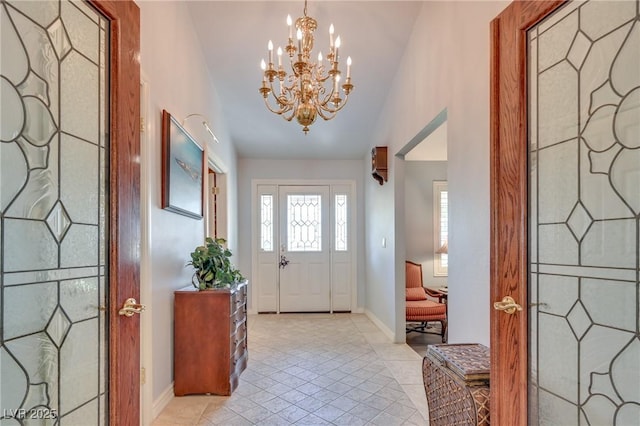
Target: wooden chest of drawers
[210,340]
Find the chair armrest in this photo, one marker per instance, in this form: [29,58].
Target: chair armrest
[434,293]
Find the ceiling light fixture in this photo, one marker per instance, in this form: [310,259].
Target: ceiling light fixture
[304,93]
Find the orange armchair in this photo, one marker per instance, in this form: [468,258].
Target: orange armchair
[419,309]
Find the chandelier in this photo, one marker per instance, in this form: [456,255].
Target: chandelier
[311,89]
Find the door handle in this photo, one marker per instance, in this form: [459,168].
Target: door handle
[131,307]
[507,304]
[283,262]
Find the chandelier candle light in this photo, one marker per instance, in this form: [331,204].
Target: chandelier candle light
[305,93]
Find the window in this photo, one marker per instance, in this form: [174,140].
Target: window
[441,229]
[304,221]
[341,222]
[266,222]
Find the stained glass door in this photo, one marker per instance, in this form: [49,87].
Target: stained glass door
[305,267]
[584,207]
[60,254]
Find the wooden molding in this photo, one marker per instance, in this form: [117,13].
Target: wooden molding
[124,219]
[509,201]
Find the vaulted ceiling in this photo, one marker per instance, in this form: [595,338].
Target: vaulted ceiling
[234,37]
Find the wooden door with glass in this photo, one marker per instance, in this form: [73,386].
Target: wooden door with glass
[69,212]
[565,165]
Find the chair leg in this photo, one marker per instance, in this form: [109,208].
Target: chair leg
[444,330]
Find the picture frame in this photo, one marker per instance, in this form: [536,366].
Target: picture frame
[182,170]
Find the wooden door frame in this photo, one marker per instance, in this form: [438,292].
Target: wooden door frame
[509,207]
[124,201]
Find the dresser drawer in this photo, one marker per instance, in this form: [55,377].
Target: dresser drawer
[237,319]
[237,338]
[239,358]
[238,298]
[239,367]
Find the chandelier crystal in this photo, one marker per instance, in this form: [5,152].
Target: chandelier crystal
[310,89]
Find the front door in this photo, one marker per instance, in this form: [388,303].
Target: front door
[305,267]
[566,213]
[69,205]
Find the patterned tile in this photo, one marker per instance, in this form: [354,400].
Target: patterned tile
[315,370]
[293,414]
[379,402]
[325,395]
[309,388]
[276,404]
[365,412]
[385,419]
[328,413]
[344,403]
[349,419]
[310,404]
[275,420]
[256,415]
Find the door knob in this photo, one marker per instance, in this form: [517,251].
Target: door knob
[131,307]
[508,305]
[283,262]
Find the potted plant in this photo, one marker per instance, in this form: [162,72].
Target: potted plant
[213,266]
[210,327]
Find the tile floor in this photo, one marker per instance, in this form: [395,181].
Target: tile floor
[315,369]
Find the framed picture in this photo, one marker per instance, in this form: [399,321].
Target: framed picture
[182,166]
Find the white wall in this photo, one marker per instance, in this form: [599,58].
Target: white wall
[178,79]
[250,169]
[446,65]
[418,215]
[379,259]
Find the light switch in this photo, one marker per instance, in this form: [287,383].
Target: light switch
[384,242]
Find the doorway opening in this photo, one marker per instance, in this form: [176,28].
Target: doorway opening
[426,214]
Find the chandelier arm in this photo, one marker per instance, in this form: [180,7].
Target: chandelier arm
[326,117]
[330,110]
[290,117]
[279,111]
[322,103]
[285,102]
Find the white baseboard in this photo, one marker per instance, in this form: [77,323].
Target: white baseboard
[163,400]
[357,311]
[386,330]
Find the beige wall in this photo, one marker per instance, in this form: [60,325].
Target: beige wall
[446,65]
[178,80]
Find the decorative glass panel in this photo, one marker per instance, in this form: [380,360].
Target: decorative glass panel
[342,223]
[54,119]
[266,222]
[304,223]
[584,161]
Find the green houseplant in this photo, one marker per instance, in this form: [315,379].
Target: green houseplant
[213,266]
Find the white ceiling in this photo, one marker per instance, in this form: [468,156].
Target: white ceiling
[234,36]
